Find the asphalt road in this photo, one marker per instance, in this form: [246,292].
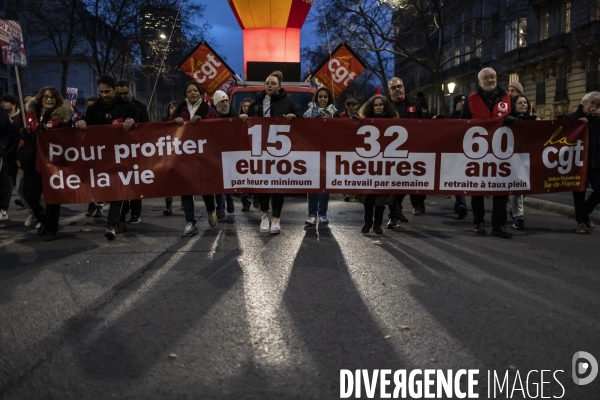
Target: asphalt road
[235,314]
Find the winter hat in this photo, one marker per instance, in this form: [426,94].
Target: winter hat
[517,86]
[350,101]
[458,98]
[218,96]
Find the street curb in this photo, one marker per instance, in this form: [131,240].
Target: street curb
[562,209]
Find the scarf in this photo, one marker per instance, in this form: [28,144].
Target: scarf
[315,112]
[192,108]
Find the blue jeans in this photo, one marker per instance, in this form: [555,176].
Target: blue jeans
[460,202]
[220,200]
[317,204]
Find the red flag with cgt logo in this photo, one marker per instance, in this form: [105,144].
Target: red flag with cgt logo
[339,71]
[204,66]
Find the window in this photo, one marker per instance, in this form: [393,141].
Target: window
[457,57]
[515,34]
[592,80]
[540,89]
[478,50]
[561,83]
[544,21]
[467,53]
[566,15]
[513,78]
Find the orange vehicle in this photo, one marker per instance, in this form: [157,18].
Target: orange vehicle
[301,92]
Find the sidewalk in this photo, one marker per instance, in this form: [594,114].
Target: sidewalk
[559,203]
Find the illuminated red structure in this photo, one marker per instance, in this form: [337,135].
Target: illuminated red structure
[271,29]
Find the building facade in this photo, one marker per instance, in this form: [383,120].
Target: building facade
[552,47]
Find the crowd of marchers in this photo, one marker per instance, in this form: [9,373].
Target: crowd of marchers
[115,104]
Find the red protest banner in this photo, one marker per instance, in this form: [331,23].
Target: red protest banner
[341,70]
[105,163]
[207,68]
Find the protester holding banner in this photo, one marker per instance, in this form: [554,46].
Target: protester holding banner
[407,107]
[111,109]
[589,112]
[490,101]
[221,104]
[50,111]
[246,196]
[351,108]
[193,109]
[460,201]
[171,107]
[272,102]
[321,107]
[521,111]
[377,106]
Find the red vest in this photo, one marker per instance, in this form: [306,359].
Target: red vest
[479,109]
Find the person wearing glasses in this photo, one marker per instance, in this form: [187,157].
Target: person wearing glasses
[272,102]
[51,111]
[377,106]
[490,102]
[406,107]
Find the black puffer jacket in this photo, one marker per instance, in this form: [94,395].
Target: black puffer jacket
[8,134]
[594,136]
[281,105]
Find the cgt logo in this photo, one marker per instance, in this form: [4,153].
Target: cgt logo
[584,364]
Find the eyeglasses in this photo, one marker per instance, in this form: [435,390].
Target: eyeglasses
[271,83]
[488,78]
[51,98]
[397,87]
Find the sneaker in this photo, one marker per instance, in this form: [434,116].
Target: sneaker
[519,223]
[501,231]
[311,220]
[91,209]
[42,230]
[246,207]
[275,228]
[49,236]
[255,203]
[230,206]
[110,234]
[392,223]
[416,211]
[3,215]
[19,202]
[98,212]
[220,214]
[479,229]
[422,209]
[323,220]
[167,211]
[38,225]
[400,217]
[347,197]
[190,229]
[135,219]
[589,224]
[29,220]
[212,218]
[581,228]
[462,213]
[264,222]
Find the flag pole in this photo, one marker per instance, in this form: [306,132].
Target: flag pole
[20,92]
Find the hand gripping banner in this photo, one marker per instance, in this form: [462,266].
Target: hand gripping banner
[161,159]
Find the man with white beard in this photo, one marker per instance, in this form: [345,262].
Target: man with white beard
[223,107]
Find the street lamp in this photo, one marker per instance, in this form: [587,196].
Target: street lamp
[163,36]
[451,87]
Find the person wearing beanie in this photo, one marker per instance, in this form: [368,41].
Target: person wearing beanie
[458,104]
[515,89]
[220,103]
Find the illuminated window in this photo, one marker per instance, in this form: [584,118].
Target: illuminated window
[544,25]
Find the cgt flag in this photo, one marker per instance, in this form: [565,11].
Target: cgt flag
[338,72]
[206,67]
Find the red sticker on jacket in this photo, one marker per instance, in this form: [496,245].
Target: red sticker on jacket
[411,109]
[117,121]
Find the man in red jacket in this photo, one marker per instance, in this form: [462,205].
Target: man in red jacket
[489,102]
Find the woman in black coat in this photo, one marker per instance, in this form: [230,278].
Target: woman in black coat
[51,112]
[272,102]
